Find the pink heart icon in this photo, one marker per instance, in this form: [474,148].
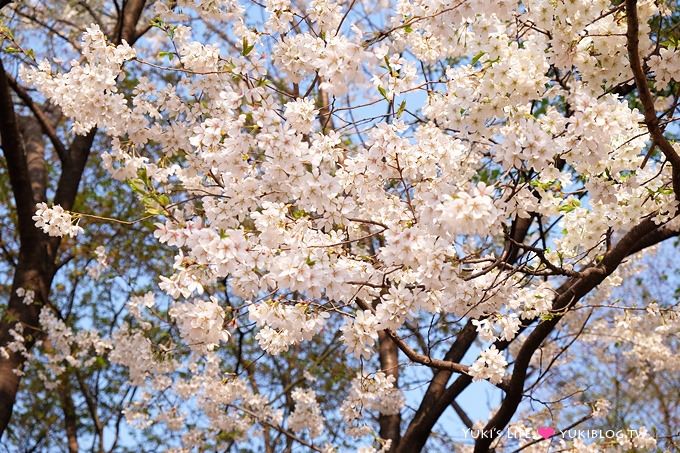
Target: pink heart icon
[546,431]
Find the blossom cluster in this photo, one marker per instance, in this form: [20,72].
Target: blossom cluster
[283,326]
[67,348]
[201,323]
[55,221]
[490,365]
[27,295]
[307,414]
[375,392]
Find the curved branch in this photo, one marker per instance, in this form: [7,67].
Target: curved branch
[45,123]
[15,156]
[426,360]
[651,120]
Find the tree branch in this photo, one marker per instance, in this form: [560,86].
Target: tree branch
[426,360]
[467,421]
[15,156]
[127,21]
[423,359]
[45,123]
[651,120]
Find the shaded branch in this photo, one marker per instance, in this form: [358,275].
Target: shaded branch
[45,123]
[15,156]
[416,356]
[467,421]
[426,360]
[127,21]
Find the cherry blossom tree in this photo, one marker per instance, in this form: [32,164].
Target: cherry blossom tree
[373,207]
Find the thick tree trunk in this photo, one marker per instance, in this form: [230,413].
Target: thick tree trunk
[31,273]
[26,168]
[390,425]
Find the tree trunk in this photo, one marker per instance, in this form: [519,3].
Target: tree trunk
[390,425]
[70,416]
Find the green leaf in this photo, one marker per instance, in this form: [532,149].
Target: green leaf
[570,206]
[163,199]
[541,185]
[137,185]
[157,22]
[141,173]
[100,362]
[476,58]
[165,53]
[299,213]
[495,60]
[151,206]
[247,48]
[389,67]
[6,32]
[402,107]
